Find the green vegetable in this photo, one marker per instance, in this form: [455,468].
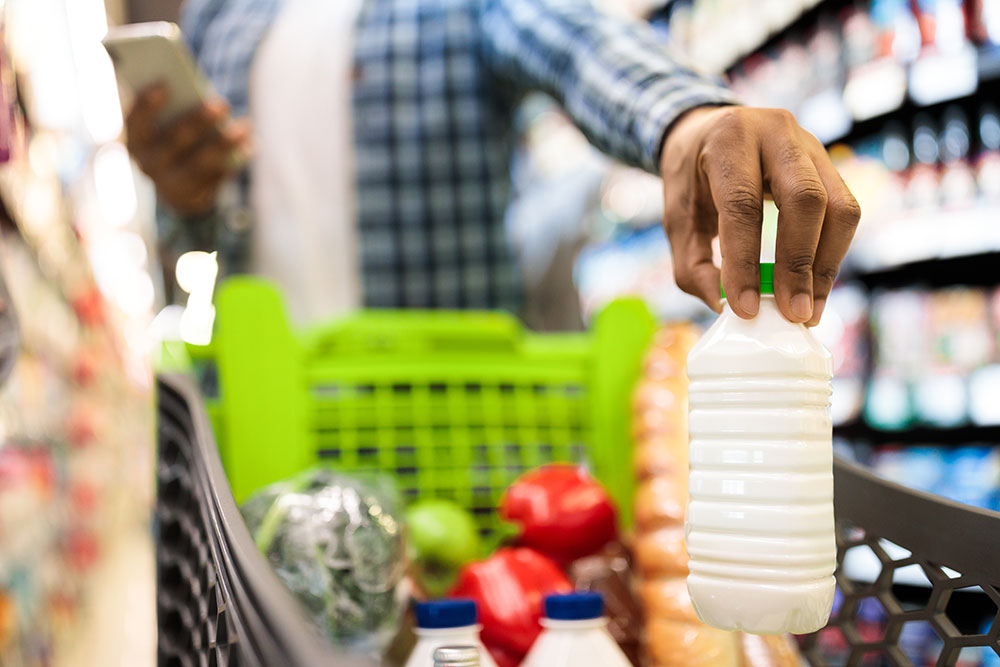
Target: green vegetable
[335,543]
[442,537]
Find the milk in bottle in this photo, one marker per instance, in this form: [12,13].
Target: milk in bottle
[760,527]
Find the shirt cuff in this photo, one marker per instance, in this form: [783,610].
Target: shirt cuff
[183,233]
[662,103]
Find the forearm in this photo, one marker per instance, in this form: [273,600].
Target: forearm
[614,78]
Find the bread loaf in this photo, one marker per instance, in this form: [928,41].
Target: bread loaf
[661,553]
[769,651]
[661,500]
[667,598]
[660,455]
[684,644]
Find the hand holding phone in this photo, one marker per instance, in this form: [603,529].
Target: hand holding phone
[190,158]
[179,132]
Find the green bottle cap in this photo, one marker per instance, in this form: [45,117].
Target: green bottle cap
[766,279]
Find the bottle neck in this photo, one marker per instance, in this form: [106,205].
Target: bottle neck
[574,626]
[766,301]
[438,633]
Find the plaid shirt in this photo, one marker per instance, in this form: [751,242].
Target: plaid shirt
[437,83]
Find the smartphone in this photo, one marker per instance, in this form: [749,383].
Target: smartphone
[148,53]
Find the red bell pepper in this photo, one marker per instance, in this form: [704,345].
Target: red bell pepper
[509,588]
[562,512]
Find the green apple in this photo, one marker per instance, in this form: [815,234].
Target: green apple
[442,537]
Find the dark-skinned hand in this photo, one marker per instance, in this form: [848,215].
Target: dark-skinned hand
[718,164]
[190,158]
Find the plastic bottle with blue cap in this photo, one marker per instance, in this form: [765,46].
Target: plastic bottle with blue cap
[575,635]
[446,623]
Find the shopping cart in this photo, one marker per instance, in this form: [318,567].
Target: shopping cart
[218,601]
[456,406]
[451,404]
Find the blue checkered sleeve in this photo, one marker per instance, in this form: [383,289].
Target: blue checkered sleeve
[224,36]
[614,78]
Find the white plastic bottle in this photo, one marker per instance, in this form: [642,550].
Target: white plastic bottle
[446,623]
[575,635]
[457,656]
[760,526]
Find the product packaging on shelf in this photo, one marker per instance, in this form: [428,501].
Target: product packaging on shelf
[967,474]
[936,358]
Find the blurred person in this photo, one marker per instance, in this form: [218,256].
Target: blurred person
[382,140]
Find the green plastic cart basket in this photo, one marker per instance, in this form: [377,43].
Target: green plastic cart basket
[451,404]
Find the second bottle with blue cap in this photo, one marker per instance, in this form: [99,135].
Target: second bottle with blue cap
[575,635]
[446,623]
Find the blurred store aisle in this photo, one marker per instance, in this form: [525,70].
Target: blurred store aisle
[119,627]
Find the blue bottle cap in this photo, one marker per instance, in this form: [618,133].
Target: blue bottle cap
[439,614]
[574,606]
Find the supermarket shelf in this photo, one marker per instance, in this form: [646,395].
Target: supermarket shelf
[977,269]
[803,20]
[989,64]
[50,232]
[918,238]
[859,430]
[988,72]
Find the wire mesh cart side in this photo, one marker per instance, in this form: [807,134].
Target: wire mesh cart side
[218,602]
[923,559]
[450,404]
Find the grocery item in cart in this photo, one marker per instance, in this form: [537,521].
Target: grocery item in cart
[760,526]
[674,637]
[457,656]
[769,650]
[610,574]
[575,634]
[441,537]
[446,623]
[335,542]
[561,511]
[508,588]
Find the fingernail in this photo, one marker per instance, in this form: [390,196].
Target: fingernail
[748,302]
[818,307]
[802,307]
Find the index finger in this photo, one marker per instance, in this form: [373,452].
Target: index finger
[140,122]
[736,184]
